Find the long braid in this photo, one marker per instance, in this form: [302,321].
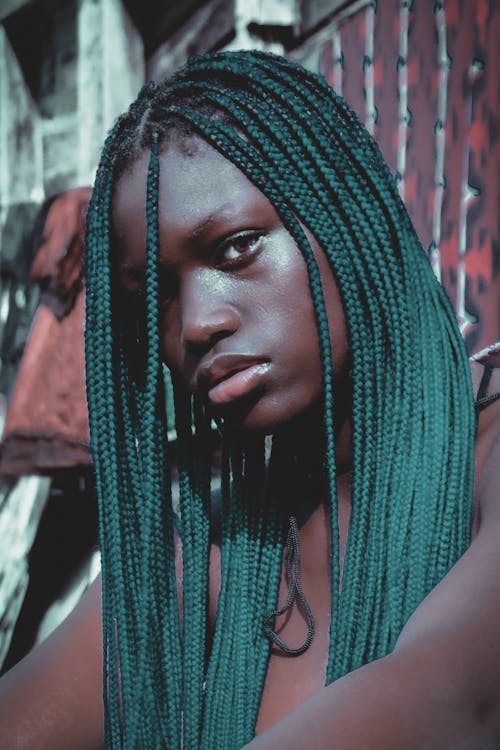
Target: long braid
[304,149]
[194,491]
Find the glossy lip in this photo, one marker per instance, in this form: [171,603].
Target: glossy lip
[223,367]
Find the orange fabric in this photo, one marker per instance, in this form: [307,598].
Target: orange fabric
[58,264]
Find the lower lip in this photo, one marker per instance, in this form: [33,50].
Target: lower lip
[238,385]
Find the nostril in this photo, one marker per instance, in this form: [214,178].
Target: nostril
[203,338]
[201,334]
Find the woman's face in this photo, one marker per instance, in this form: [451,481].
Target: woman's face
[237,321]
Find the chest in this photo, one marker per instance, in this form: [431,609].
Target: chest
[291,680]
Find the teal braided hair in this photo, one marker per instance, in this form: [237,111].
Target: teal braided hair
[413,423]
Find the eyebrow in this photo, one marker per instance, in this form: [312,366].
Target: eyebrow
[208,221]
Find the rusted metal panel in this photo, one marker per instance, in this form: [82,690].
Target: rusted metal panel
[430,73]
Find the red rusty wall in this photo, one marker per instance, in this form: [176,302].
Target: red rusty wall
[443,144]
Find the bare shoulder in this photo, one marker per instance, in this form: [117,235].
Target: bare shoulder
[53,698]
[457,625]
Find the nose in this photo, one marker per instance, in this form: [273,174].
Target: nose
[207,315]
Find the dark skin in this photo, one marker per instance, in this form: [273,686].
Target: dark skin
[238,325]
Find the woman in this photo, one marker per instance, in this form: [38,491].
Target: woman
[245,231]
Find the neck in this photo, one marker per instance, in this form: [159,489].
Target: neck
[297,471]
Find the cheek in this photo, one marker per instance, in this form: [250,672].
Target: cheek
[170,337]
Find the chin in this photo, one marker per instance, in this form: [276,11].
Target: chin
[261,415]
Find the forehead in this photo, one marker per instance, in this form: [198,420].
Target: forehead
[197,186]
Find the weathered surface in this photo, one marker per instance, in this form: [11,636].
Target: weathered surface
[205,30]
[109,75]
[21,171]
[423,77]
[21,506]
[46,426]
[18,300]
[58,264]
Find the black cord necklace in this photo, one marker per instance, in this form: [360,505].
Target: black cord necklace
[295,592]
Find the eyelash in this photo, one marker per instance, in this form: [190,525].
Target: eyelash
[251,240]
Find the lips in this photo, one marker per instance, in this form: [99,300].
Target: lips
[230,377]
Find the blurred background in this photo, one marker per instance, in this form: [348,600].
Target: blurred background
[422,76]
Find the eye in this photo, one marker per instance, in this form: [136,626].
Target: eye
[239,249]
